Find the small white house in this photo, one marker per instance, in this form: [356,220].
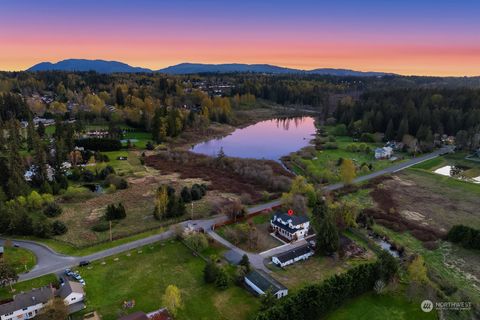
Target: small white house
[290,227]
[286,258]
[26,305]
[73,295]
[260,282]
[383,153]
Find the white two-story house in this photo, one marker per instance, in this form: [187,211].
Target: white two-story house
[26,305]
[290,227]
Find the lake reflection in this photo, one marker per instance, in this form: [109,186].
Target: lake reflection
[269,139]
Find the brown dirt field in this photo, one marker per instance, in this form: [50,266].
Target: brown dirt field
[220,179]
[422,200]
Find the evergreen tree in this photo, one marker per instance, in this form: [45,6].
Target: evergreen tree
[327,235]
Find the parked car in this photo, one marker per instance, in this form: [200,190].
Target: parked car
[82,282]
[84,263]
[77,277]
[62,280]
[68,272]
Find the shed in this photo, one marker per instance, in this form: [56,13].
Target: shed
[296,254]
[261,282]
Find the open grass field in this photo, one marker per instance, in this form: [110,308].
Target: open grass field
[316,269]
[142,275]
[448,265]
[380,307]
[21,259]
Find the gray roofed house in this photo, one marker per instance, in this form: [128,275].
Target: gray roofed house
[292,227]
[261,282]
[26,304]
[300,253]
[73,294]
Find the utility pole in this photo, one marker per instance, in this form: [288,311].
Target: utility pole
[192,210]
[110,223]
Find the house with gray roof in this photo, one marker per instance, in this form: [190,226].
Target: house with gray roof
[72,294]
[291,256]
[260,282]
[290,227]
[26,305]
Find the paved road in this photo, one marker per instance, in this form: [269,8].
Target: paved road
[48,261]
[395,168]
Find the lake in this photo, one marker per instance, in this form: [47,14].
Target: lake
[270,139]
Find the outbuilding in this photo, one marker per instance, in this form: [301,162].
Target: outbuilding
[289,257]
[260,282]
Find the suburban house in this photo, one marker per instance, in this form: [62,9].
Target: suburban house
[383,153]
[289,257]
[73,295]
[26,305]
[290,227]
[260,282]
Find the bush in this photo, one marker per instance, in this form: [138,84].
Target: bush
[467,237]
[76,193]
[52,210]
[186,195]
[340,130]
[197,241]
[59,228]
[115,212]
[117,181]
[101,226]
[221,281]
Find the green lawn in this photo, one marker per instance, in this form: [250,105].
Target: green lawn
[371,306]
[42,281]
[123,167]
[21,259]
[324,165]
[144,275]
[69,249]
[142,139]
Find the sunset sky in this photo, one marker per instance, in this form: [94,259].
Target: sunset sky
[406,37]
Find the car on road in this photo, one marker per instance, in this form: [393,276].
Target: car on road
[84,263]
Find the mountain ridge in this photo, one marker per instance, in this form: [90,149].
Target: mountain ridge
[105,66]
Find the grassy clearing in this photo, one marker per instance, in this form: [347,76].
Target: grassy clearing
[45,280]
[452,264]
[144,275]
[371,306]
[265,240]
[325,162]
[21,259]
[315,270]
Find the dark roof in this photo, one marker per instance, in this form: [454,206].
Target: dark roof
[69,287]
[27,299]
[296,219]
[292,254]
[285,227]
[139,315]
[263,281]
[233,256]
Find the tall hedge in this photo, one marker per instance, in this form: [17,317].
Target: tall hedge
[99,144]
[317,300]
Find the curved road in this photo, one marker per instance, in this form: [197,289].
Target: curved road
[49,261]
